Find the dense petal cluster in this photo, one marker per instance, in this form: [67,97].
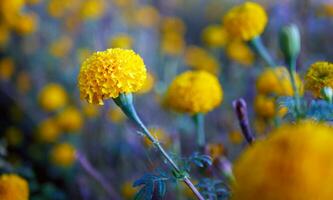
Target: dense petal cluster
[245,21]
[194,92]
[294,163]
[318,76]
[106,74]
[13,187]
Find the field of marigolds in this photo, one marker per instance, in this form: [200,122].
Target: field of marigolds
[166,100]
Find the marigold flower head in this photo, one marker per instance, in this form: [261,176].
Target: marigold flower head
[240,52]
[214,36]
[92,9]
[194,92]
[70,119]
[13,187]
[63,155]
[147,16]
[245,21]
[172,43]
[318,76]
[48,130]
[52,97]
[199,59]
[173,24]
[294,163]
[277,82]
[106,74]
[26,24]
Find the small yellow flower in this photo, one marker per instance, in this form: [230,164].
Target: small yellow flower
[13,187]
[245,21]
[52,97]
[173,24]
[26,24]
[127,190]
[194,92]
[70,119]
[59,8]
[265,106]
[214,36]
[240,52]
[147,16]
[13,136]
[108,73]
[172,43]
[216,150]
[276,81]
[90,110]
[63,154]
[92,9]
[199,59]
[116,115]
[61,47]
[148,85]
[123,41]
[318,76]
[7,68]
[160,135]
[48,131]
[294,163]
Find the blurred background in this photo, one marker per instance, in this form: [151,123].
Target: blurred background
[68,149]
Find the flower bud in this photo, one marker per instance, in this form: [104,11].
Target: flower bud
[290,41]
[327,93]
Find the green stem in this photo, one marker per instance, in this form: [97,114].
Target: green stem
[291,62]
[125,102]
[199,120]
[257,45]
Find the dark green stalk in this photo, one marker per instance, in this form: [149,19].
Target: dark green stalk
[199,120]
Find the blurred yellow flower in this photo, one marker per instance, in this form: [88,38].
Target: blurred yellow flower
[13,187]
[7,68]
[240,52]
[127,190]
[52,97]
[122,40]
[123,3]
[63,155]
[108,73]
[173,24]
[26,24]
[215,150]
[236,137]
[160,135]
[61,47]
[199,59]
[70,119]
[116,115]
[294,163]
[92,9]
[276,81]
[9,10]
[147,16]
[264,106]
[148,85]
[318,76]
[245,21]
[194,92]
[59,8]
[23,82]
[33,2]
[214,36]
[326,9]
[90,110]
[48,131]
[4,35]
[13,136]
[172,43]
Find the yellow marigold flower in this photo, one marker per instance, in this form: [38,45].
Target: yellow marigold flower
[245,21]
[194,92]
[13,136]
[70,119]
[63,154]
[265,106]
[123,41]
[7,67]
[48,131]
[159,134]
[215,150]
[92,9]
[52,97]
[116,115]
[276,81]
[172,43]
[173,24]
[23,82]
[127,190]
[13,187]
[147,16]
[214,36]
[319,75]
[240,52]
[10,9]
[108,73]
[148,85]
[199,59]
[236,137]
[294,163]
[26,24]
[61,47]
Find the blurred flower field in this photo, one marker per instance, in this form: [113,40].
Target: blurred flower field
[166,99]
